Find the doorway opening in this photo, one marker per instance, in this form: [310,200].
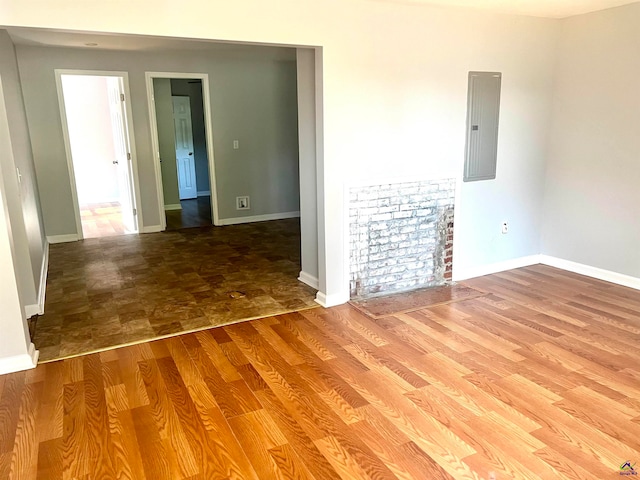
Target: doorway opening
[218,270]
[99,154]
[192,161]
[183,136]
[258,178]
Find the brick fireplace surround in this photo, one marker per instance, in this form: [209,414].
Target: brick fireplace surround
[400,236]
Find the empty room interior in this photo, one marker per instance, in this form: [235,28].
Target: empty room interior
[231,255]
[320,240]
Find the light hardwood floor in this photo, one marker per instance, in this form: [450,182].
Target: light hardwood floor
[101,220]
[537,378]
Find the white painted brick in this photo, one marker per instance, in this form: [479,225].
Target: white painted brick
[423,213]
[388,209]
[414,250]
[381,217]
[409,206]
[390,227]
[377,226]
[403,214]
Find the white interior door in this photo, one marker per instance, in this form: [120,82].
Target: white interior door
[186,163]
[123,155]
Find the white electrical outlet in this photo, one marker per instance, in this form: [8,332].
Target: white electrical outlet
[505,227]
[242,203]
[236,144]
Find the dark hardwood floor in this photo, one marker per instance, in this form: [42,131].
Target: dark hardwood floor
[116,290]
[195,213]
[105,219]
[537,378]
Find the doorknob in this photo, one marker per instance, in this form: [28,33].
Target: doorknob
[190,153]
[115,162]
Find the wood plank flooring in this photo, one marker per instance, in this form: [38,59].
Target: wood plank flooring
[196,212]
[537,378]
[116,290]
[102,220]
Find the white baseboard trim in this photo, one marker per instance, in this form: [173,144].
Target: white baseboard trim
[593,272]
[173,206]
[204,193]
[17,363]
[31,310]
[568,265]
[481,270]
[309,280]
[151,229]
[38,309]
[332,300]
[72,237]
[44,272]
[258,218]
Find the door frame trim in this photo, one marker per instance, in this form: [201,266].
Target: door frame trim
[67,143]
[208,126]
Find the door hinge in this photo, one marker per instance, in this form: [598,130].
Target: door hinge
[122,97]
[135,212]
[128,155]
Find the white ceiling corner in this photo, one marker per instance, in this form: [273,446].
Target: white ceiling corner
[535,8]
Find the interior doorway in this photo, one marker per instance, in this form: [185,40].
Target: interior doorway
[97,140]
[182,132]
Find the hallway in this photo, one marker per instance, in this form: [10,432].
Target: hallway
[195,212]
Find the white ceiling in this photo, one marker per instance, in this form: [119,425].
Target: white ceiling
[535,8]
[141,43]
[45,37]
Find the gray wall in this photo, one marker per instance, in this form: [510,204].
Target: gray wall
[306,73]
[14,339]
[256,106]
[253,100]
[592,196]
[166,140]
[22,197]
[181,86]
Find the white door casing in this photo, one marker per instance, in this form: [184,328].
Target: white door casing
[208,125]
[123,156]
[185,160]
[129,135]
